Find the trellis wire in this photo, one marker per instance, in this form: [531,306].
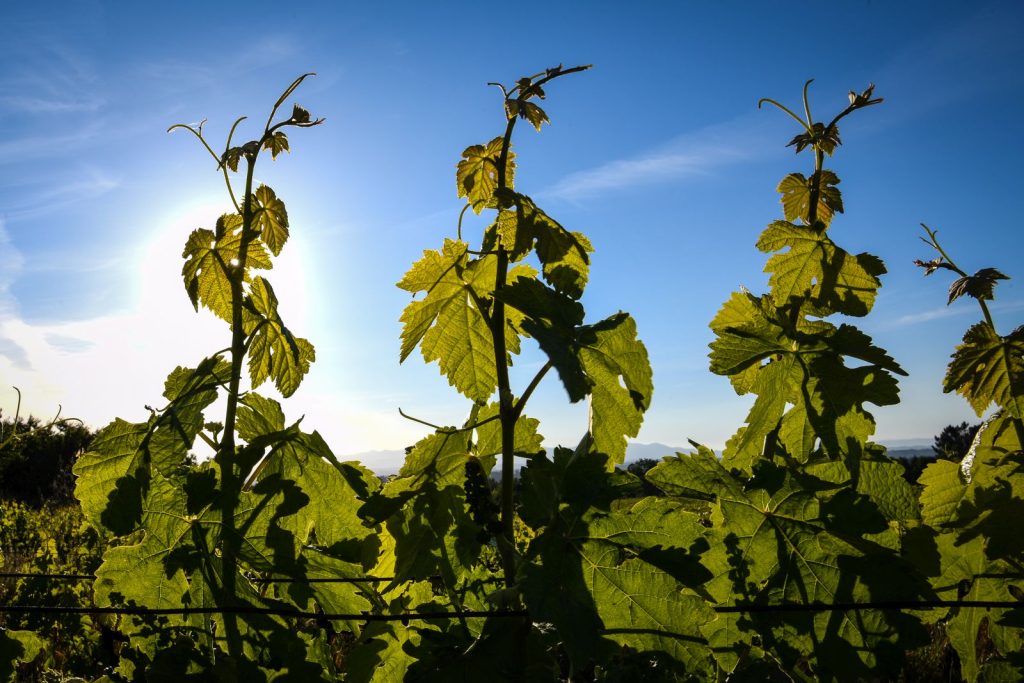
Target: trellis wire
[406,616]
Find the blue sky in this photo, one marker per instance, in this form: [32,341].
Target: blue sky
[659,154]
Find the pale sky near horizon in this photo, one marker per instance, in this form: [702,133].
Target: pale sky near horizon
[658,153]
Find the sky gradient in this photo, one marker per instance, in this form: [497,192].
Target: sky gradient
[659,154]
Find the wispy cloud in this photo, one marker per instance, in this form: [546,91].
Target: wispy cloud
[692,154]
[30,147]
[46,105]
[50,78]
[11,263]
[87,183]
[174,75]
[952,312]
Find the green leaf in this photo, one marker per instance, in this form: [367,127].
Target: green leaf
[151,573]
[460,341]
[964,565]
[381,656]
[640,604]
[231,157]
[748,333]
[942,493]
[437,274]
[618,368]
[553,319]
[274,352]
[803,365]
[331,512]
[527,440]
[208,267]
[276,143]
[108,483]
[114,474]
[448,323]
[880,480]
[532,113]
[17,647]
[796,197]
[269,218]
[773,385]
[988,368]
[189,392]
[477,174]
[564,255]
[815,268]
[425,511]
[776,537]
[617,576]
[258,416]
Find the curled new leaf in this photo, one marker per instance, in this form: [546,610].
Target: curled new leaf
[933,265]
[299,115]
[276,143]
[527,110]
[231,157]
[825,138]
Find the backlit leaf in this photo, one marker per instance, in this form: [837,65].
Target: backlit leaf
[618,368]
[815,268]
[274,352]
[796,197]
[477,173]
[211,259]
[270,218]
[276,143]
[988,368]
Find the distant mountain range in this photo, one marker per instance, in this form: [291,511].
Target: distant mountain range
[387,462]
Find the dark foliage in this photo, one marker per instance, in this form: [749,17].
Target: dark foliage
[953,442]
[640,468]
[36,460]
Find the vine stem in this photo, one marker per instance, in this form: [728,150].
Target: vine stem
[771,440]
[933,242]
[230,484]
[506,408]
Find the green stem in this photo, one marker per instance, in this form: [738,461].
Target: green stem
[508,411]
[933,241]
[506,407]
[230,481]
[521,403]
[786,109]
